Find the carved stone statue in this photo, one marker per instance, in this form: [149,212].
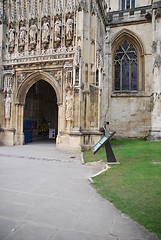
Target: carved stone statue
[23,31]
[69,105]
[12,36]
[69,28]
[45,32]
[8,106]
[77,56]
[32,33]
[57,30]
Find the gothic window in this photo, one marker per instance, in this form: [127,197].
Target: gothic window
[127,4]
[126,67]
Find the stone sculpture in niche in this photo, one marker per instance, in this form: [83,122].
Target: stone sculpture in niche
[57,30]
[45,32]
[69,28]
[22,37]
[33,34]
[69,108]
[7,106]
[11,38]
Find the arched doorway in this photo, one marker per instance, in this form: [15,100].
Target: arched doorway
[29,86]
[40,112]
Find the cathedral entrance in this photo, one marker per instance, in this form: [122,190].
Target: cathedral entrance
[40,112]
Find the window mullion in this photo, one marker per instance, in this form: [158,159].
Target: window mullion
[129,75]
[121,76]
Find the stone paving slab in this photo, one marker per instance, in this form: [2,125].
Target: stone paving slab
[45,194]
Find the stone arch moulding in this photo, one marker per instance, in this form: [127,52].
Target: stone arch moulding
[33,78]
[126,34]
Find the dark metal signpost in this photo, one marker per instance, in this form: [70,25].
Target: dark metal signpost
[105,141]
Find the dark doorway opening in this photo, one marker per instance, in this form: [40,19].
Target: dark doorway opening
[40,113]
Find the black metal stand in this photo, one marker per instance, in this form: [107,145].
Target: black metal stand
[105,141]
[109,153]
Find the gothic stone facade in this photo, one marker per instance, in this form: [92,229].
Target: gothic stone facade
[102,58]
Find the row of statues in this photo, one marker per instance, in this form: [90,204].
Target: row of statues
[33,31]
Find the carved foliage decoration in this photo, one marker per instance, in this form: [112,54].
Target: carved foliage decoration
[57,76]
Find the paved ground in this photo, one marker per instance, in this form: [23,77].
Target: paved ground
[45,195]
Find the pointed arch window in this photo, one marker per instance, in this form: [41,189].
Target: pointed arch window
[125,67]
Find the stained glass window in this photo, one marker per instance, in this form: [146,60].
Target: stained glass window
[132,3]
[125,68]
[123,4]
[127,4]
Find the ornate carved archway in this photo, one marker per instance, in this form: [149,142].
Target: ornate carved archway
[33,78]
[21,97]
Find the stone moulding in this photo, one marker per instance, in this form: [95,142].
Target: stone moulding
[39,58]
[34,77]
[129,15]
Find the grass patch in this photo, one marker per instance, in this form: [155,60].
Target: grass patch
[134,186]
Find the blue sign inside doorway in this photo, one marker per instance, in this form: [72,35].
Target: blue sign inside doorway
[27,130]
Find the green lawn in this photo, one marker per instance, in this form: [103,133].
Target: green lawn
[134,186]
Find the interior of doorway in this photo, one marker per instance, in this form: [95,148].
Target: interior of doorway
[40,113]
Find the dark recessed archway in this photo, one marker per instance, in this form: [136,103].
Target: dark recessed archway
[40,112]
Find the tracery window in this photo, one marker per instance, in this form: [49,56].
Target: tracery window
[125,67]
[127,4]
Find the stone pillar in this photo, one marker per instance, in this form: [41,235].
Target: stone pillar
[1,52]
[107,81]
[155,132]
[19,135]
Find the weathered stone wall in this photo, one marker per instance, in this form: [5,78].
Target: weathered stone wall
[129,114]
[130,117]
